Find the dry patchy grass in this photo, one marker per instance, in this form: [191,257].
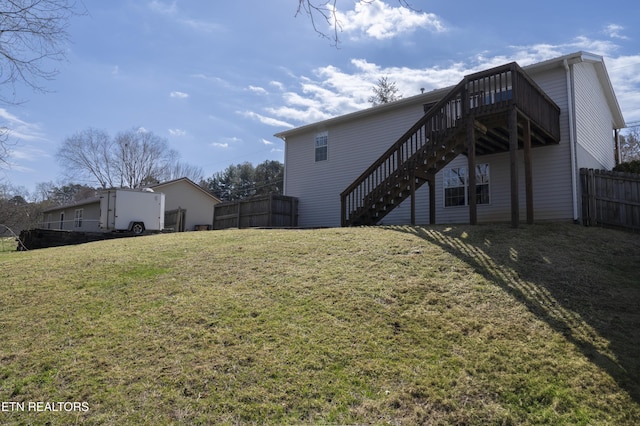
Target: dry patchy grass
[396,325]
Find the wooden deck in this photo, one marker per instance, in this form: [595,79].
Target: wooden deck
[498,110]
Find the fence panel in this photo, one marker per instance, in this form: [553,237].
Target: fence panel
[610,198]
[272,210]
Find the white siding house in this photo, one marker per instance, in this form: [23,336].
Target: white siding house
[183,198]
[193,205]
[323,159]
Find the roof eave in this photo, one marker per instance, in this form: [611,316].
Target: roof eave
[603,76]
[426,97]
[572,58]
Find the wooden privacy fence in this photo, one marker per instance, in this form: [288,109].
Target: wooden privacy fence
[272,210]
[610,198]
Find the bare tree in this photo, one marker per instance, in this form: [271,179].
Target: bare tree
[133,159]
[384,92]
[176,169]
[4,145]
[630,145]
[140,157]
[32,38]
[16,213]
[32,33]
[325,12]
[88,155]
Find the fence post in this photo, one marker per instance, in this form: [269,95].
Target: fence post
[586,214]
[591,182]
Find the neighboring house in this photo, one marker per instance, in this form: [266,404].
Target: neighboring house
[187,206]
[82,215]
[408,161]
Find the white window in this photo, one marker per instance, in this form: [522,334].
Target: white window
[77,220]
[456,186]
[321,146]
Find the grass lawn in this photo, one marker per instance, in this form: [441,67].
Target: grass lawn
[8,244]
[382,325]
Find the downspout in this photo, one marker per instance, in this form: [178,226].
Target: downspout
[284,169]
[572,143]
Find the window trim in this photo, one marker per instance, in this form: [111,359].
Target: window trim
[324,147]
[77,218]
[482,179]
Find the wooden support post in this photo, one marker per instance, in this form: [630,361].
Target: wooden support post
[528,170]
[513,156]
[471,175]
[413,198]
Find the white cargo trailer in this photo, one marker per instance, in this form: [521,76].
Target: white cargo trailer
[131,210]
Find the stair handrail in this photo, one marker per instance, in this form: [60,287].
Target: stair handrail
[397,146]
[484,92]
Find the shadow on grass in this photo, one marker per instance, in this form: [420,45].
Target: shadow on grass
[573,279]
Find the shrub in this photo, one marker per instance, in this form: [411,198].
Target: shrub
[628,167]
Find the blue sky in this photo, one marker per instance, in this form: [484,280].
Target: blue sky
[218,79]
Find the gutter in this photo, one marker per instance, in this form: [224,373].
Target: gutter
[572,143]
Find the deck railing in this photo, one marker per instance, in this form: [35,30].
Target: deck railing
[479,94]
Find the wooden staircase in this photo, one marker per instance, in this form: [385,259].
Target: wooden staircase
[441,135]
[436,139]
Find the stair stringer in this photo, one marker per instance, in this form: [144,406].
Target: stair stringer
[398,187]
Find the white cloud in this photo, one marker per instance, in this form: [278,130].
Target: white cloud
[18,128]
[179,95]
[265,120]
[177,132]
[28,153]
[225,143]
[213,79]
[380,21]
[624,72]
[11,118]
[277,85]
[334,91]
[171,10]
[614,31]
[308,115]
[258,90]
[163,8]
[201,26]
[266,142]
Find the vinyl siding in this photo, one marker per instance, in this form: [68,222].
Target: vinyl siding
[594,121]
[551,169]
[90,218]
[552,192]
[552,183]
[354,145]
[198,205]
